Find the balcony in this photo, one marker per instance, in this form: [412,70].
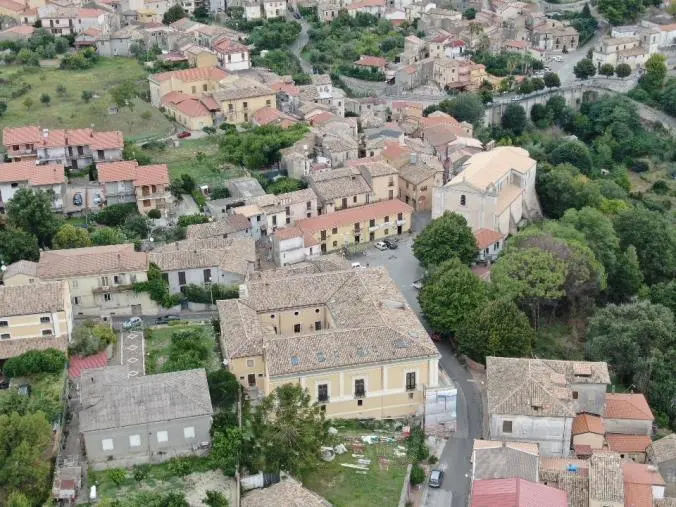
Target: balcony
[113,288]
[360,394]
[322,399]
[411,387]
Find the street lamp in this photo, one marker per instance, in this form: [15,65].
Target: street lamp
[211,290]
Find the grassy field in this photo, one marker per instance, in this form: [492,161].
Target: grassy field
[70,111]
[157,345]
[343,486]
[184,160]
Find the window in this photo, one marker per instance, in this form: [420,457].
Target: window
[423,189]
[229,107]
[334,230]
[344,202]
[387,219]
[496,246]
[308,205]
[410,381]
[189,432]
[296,328]
[318,325]
[3,323]
[400,216]
[46,332]
[250,363]
[335,243]
[575,395]
[106,296]
[73,284]
[194,90]
[104,281]
[76,300]
[323,235]
[323,393]
[387,232]
[181,277]
[207,275]
[506,426]
[360,403]
[274,220]
[245,105]
[134,440]
[162,436]
[204,87]
[354,198]
[268,103]
[463,200]
[5,336]
[107,444]
[288,219]
[100,154]
[357,226]
[372,222]
[359,388]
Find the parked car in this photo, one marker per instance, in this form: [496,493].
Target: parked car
[296,15]
[183,135]
[166,319]
[417,284]
[436,478]
[391,244]
[132,323]
[381,245]
[356,265]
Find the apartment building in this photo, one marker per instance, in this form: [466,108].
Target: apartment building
[196,82]
[458,74]
[241,97]
[26,174]
[347,336]
[418,178]
[34,316]
[286,209]
[232,55]
[191,112]
[494,190]
[126,181]
[14,10]
[274,9]
[225,226]
[370,222]
[100,279]
[339,189]
[75,148]
[618,50]
[59,20]
[204,261]
[554,36]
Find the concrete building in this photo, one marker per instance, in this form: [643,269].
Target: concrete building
[290,246]
[204,261]
[241,97]
[618,50]
[662,454]
[339,189]
[515,492]
[34,316]
[274,9]
[146,419]
[554,36]
[147,186]
[286,209]
[347,336]
[27,174]
[191,112]
[504,460]
[490,243]
[494,190]
[533,400]
[225,226]
[588,430]
[196,82]
[232,55]
[417,179]
[628,414]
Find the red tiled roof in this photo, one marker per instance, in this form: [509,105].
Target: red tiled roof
[637,495]
[21,135]
[519,44]
[458,43]
[352,215]
[20,30]
[10,5]
[371,61]
[95,140]
[129,170]
[288,88]
[77,364]
[440,119]
[627,443]
[266,115]
[366,3]
[34,174]
[90,13]
[638,473]
[516,492]
[227,46]
[583,450]
[210,103]
[321,118]
[92,32]
[187,75]
[627,406]
[586,423]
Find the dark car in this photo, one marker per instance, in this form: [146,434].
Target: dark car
[436,478]
[184,134]
[166,319]
[391,244]
[296,15]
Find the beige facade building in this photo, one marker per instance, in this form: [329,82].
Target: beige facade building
[346,336]
[241,97]
[418,178]
[196,82]
[285,209]
[34,316]
[494,190]
[100,279]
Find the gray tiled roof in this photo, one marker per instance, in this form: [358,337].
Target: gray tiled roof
[505,460]
[111,400]
[538,387]
[371,321]
[32,298]
[338,183]
[228,224]
[606,482]
[233,255]
[93,260]
[27,268]
[662,450]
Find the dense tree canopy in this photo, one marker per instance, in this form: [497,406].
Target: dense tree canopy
[16,245]
[465,107]
[69,236]
[31,211]
[258,147]
[450,292]
[444,238]
[514,119]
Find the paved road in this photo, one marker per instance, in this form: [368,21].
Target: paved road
[132,352]
[297,46]
[404,269]
[565,69]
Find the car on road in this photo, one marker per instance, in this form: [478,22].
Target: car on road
[356,265]
[132,323]
[436,478]
[391,244]
[183,135]
[417,284]
[381,245]
[166,319]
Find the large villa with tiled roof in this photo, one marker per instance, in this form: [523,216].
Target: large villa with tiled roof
[348,336]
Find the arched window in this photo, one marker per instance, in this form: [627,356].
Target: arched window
[462,200]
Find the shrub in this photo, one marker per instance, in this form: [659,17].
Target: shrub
[415,445]
[90,338]
[115,214]
[154,214]
[220,192]
[200,200]
[187,220]
[180,467]
[208,295]
[432,459]
[215,499]
[35,361]
[417,475]
[140,472]
[117,475]
[660,187]
[640,166]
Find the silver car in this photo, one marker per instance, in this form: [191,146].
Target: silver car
[436,478]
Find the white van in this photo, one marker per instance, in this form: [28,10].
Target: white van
[356,265]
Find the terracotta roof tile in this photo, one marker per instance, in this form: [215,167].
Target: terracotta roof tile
[516,493]
[638,473]
[188,75]
[35,175]
[10,5]
[586,423]
[90,261]
[370,61]
[660,450]
[627,406]
[486,237]
[352,215]
[627,443]
[21,135]
[129,170]
[227,46]
[32,298]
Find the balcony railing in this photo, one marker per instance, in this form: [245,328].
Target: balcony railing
[113,288]
[360,394]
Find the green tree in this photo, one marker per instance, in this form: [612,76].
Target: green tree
[224,388]
[664,294]
[526,87]
[17,499]
[563,187]
[622,70]
[620,12]
[497,329]
[654,239]
[174,13]
[87,96]
[288,430]
[469,14]
[450,292]
[117,475]
[28,103]
[226,450]
[125,93]
[220,192]
[575,153]
[444,238]
[136,226]
[16,245]
[531,276]
[625,280]
[514,119]
[31,211]
[656,72]
[284,185]
[90,338]
[552,80]
[584,69]
[607,69]
[466,107]
[69,236]
[3,107]
[417,475]
[45,99]
[107,236]
[538,113]
[538,83]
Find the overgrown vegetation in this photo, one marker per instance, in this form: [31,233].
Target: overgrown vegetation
[655,88]
[89,338]
[35,362]
[258,147]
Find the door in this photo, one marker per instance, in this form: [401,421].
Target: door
[252,379]
[399,229]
